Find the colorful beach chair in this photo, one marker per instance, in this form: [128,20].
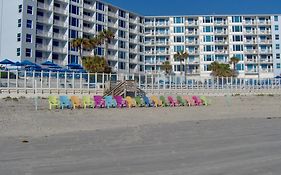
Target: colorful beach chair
[110,102]
[87,102]
[172,102]
[147,101]
[120,101]
[156,102]
[65,102]
[53,101]
[180,101]
[76,102]
[163,101]
[205,101]
[139,101]
[130,102]
[189,101]
[99,101]
[197,100]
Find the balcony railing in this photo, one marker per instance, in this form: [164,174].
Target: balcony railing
[251,51]
[43,47]
[224,32]
[44,6]
[60,23]
[59,49]
[89,6]
[60,36]
[192,33]
[221,42]
[43,33]
[266,51]
[60,10]
[88,18]
[265,41]
[89,30]
[264,32]
[221,51]
[192,23]
[113,14]
[44,19]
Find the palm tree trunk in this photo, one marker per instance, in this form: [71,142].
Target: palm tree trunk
[106,52]
[80,56]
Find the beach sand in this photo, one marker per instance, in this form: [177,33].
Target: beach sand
[18,118]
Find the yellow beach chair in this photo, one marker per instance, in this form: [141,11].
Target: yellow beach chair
[130,102]
[87,102]
[156,101]
[53,101]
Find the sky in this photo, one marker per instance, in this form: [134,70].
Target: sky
[198,7]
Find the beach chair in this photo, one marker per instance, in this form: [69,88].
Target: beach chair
[163,101]
[180,101]
[120,101]
[130,102]
[110,102]
[53,101]
[139,102]
[65,102]
[205,101]
[99,101]
[87,102]
[76,102]
[172,101]
[147,101]
[189,101]
[156,102]
[197,100]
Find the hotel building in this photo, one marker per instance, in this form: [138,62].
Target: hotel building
[40,30]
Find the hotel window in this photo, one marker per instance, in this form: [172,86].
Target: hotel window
[28,38]
[74,9]
[18,37]
[178,20]
[278,56]
[237,28]
[236,19]
[74,22]
[276,37]
[276,27]
[99,28]
[208,58]
[73,59]
[29,10]
[122,65]
[178,30]
[208,29]
[208,48]
[77,1]
[29,24]
[18,51]
[277,46]
[122,44]
[122,13]
[73,34]
[278,66]
[178,48]
[28,52]
[237,48]
[100,17]
[121,55]
[276,18]
[240,56]
[19,22]
[20,8]
[207,67]
[239,67]
[179,39]
[100,6]
[122,24]
[121,34]
[208,38]
[208,19]
[237,38]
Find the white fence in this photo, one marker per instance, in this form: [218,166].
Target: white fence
[45,83]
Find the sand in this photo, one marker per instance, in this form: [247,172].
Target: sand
[18,118]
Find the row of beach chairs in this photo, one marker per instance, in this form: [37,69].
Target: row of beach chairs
[120,102]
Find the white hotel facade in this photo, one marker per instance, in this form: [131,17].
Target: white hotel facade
[40,30]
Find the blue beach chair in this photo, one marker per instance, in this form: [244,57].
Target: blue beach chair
[110,102]
[147,101]
[65,102]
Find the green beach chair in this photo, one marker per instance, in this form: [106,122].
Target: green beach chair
[181,102]
[53,101]
[87,102]
[139,101]
[205,101]
[164,102]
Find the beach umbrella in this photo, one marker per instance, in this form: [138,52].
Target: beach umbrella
[6,62]
[17,64]
[27,63]
[55,67]
[48,63]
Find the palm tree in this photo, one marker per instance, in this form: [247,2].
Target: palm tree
[221,69]
[95,42]
[167,67]
[80,44]
[234,61]
[105,37]
[182,57]
[95,64]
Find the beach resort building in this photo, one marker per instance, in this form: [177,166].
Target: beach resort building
[40,30]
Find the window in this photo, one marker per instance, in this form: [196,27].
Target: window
[178,39]
[121,55]
[178,48]
[29,10]
[74,22]
[208,19]
[122,24]
[19,22]
[28,38]
[208,38]
[122,44]
[278,56]
[178,30]
[208,58]
[276,27]
[208,48]
[239,67]
[237,38]
[74,9]
[278,66]
[20,8]
[236,19]
[100,17]
[121,65]
[18,37]
[100,6]
[99,28]
[276,18]
[240,56]
[121,34]
[208,29]
[29,24]
[18,51]
[28,52]
[237,48]
[178,20]
[73,34]
[237,28]
[276,37]
[122,13]
[277,46]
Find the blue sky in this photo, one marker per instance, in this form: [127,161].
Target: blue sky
[197,7]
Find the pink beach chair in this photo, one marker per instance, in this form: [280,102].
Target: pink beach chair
[172,102]
[99,101]
[120,101]
[197,100]
[189,101]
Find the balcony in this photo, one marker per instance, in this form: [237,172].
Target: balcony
[111,14]
[193,52]
[267,22]
[162,52]
[132,40]
[191,33]
[268,70]
[221,42]
[113,57]
[193,61]
[149,52]
[44,20]
[88,30]
[59,50]
[266,60]
[43,47]
[149,23]
[44,6]
[134,50]
[162,24]
[221,52]
[88,18]
[250,51]
[114,47]
[265,41]
[251,60]
[220,32]
[193,72]
[162,33]
[135,30]
[251,71]
[250,22]
[265,51]
[162,43]
[89,6]
[250,32]
[60,11]
[60,36]
[220,23]
[265,32]
[192,23]
[43,33]
[250,41]
[60,23]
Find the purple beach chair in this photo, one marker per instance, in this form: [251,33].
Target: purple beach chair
[197,100]
[99,101]
[120,101]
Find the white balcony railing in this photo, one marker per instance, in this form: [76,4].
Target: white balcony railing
[44,6]
[60,36]
[43,47]
[60,10]
[43,33]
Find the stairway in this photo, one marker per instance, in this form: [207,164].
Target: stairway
[123,88]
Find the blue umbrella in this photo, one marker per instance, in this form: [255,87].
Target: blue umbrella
[6,61]
[48,63]
[55,67]
[27,63]
[17,64]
